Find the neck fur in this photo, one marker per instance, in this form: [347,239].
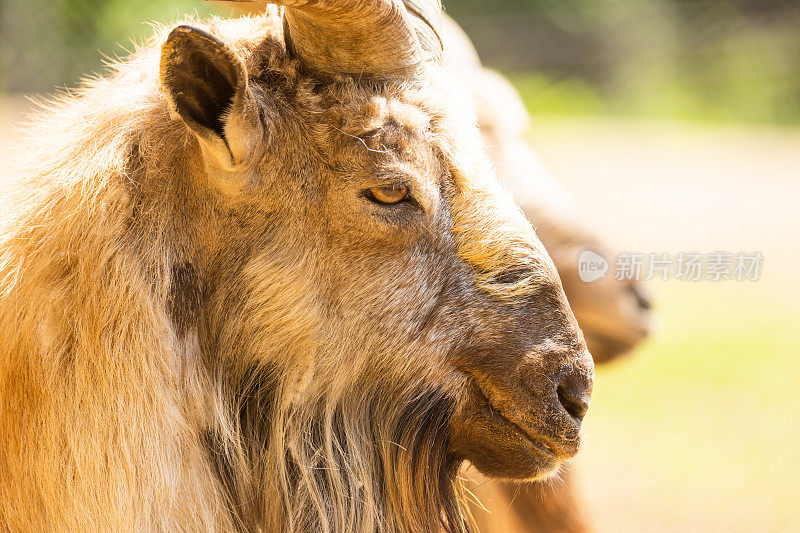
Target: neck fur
[337,465]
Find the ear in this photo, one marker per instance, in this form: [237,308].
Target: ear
[205,84]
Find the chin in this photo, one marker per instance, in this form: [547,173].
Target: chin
[515,465]
[498,448]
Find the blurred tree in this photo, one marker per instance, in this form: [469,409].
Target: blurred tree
[699,59]
[52,43]
[31,45]
[706,59]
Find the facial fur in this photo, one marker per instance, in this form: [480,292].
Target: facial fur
[225,317]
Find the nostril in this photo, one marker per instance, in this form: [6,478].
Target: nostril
[574,398]
[641,297]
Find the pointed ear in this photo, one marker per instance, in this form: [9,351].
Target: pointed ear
[205,84]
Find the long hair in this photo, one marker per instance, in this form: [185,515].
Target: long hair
[118,414]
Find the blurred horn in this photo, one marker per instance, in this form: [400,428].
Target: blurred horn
[426,17]
[381,38]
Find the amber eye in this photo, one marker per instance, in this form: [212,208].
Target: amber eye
[388,194]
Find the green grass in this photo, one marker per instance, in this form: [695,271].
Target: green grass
[700,429]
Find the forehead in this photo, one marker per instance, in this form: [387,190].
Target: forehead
[415,122]
[396,110]
[383,137]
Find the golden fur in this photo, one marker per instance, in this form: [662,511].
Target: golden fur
[188,343]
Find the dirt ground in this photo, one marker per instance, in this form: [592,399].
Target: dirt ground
[699,430]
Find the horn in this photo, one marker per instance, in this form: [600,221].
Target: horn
[379,38]
[426,17]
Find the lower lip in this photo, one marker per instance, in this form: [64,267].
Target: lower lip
[540,446]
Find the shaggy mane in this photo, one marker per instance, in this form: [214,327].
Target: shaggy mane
[112,393]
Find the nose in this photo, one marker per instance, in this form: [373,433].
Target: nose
[641,297]
[574,393]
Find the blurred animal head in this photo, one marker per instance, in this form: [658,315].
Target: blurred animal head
[322,228]
[614,314]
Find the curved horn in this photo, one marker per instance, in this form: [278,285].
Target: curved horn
[381,38]
[426,17]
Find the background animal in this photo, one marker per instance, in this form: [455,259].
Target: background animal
[613,314]
[257,280]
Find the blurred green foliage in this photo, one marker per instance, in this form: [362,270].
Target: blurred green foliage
[721,60]
[52,43]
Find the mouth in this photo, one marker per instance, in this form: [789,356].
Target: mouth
[486,432]
[604,347]
[494,414]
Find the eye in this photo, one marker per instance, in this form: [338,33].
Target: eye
[388,194]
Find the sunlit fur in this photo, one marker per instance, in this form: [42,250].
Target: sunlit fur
[184,351]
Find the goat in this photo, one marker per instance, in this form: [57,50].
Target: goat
[261,277]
